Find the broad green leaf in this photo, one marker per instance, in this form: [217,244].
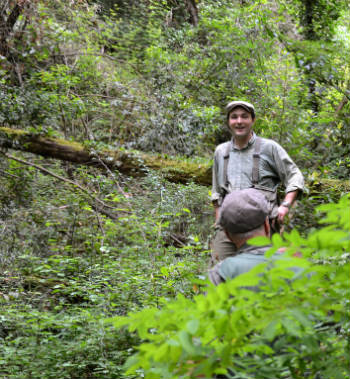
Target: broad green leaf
[259,241]
[192,326]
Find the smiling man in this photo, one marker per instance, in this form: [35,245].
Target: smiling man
[248,161]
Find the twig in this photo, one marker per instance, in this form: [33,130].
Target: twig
[3,172]
[177,240]
[44,170]
[122,192]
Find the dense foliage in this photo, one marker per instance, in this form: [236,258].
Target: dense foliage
[79,245]
[294,325]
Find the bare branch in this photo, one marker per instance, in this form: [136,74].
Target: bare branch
[68,181]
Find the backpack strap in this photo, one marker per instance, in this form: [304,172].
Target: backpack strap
[226,159]
[256,160]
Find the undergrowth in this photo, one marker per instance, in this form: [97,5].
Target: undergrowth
[66,265]
[80,266]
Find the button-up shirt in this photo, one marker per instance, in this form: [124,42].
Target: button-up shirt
[275,167]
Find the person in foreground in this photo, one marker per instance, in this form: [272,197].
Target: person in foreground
[244,215]
[248,161]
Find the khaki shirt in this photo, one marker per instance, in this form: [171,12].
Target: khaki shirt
[275,167]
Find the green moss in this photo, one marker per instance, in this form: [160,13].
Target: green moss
[18,134]
[13,132]
[74,145]
[325,185]
[335,184]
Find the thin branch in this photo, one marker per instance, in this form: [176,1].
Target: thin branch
[4,173]
[344,101]
[123,193]
[172,236]
[71,182]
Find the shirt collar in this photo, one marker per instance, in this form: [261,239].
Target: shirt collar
[250,142]
[245,248]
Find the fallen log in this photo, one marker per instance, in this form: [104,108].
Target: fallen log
[133,163]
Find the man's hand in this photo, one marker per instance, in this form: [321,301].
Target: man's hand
[282,211]
[288,201]
[217,213]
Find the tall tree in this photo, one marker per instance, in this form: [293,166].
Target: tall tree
[317,22]
[11,29]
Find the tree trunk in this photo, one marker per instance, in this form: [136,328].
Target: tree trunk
[6,27]
[193,11]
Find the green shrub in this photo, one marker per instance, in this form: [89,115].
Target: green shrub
[297,325]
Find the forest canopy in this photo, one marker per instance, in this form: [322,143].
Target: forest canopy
[110,111]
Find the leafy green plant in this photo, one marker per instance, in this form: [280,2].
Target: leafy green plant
[41,344]
[66,268]
[295,325]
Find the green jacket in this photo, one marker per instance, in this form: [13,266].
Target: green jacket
[247,257]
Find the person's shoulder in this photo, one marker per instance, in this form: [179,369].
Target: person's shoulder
[270,143]
[267,141]
[222,148]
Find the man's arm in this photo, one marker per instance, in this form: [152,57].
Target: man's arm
[215,194]
[291,177]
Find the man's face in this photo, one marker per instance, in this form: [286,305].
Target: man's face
[240,123]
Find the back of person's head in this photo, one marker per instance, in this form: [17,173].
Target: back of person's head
[243,211]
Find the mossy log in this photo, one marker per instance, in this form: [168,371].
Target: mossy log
[133,163]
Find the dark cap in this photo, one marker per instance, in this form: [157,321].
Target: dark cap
[247,106]
[243,211]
